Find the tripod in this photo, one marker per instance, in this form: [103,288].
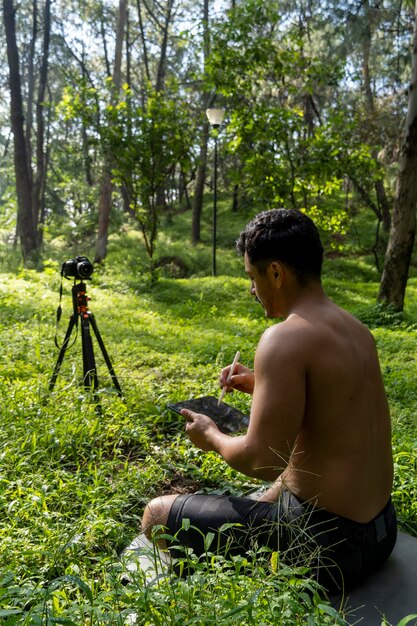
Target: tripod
[80,310]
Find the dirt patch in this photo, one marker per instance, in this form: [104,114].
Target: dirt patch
[180,484]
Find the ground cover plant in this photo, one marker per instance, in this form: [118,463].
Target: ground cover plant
[74,482]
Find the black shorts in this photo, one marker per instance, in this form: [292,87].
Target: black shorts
[338,552]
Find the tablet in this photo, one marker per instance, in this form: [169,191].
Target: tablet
[228,419]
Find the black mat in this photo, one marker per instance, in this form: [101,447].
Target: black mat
[391,593]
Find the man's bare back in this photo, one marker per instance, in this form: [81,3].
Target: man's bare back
[341,457]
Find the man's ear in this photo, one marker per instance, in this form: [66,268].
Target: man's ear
[277,272]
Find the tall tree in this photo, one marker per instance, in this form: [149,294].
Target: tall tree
[25,223]
[403,226]
[204,137]
[106,187]
[41,149]
[28,124]
[383,204]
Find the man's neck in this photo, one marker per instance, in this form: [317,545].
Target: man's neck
[303,297]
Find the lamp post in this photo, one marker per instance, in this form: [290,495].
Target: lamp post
[215,118]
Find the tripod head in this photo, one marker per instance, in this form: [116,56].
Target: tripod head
[79,300]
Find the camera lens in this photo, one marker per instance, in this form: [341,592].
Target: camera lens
[84,269]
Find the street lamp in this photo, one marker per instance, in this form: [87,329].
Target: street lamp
[215,118]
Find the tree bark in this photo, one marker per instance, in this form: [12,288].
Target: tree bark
[402,232]
[106,189]
[202,161]
[25,227]
[31,82]
[383,204]
[160,195]
[199,186]
[41,152]
[143,40]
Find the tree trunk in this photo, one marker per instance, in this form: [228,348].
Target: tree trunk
[25,226]
[162,65]
[235,201]
[199,187]
[160,190]
[31,82]
[106,190]
[403,225]
[202,161]
[143,40]
[104,41]
[383,205]
[41,153]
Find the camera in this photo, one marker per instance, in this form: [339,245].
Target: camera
[80,268]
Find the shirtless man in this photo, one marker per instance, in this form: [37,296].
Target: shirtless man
[319,424]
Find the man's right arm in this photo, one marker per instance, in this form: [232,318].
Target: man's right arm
[243,379]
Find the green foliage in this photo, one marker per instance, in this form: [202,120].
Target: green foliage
[147,144]
[289,155]
[218,593]
[143,144]
[380,314]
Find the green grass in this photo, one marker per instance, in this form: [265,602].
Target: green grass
[74,483]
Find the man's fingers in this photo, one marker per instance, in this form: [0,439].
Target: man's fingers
[187,414]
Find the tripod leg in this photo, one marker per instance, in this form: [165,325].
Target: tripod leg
[61,354]
[106,356]
[89,364]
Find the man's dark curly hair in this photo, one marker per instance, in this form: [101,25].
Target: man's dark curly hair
[284,235]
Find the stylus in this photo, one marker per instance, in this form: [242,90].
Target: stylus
[232,369]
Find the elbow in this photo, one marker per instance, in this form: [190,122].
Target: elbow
[269,474]
[262,466]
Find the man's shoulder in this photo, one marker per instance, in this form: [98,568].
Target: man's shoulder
[309,331]
[290,336]
[292,326]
